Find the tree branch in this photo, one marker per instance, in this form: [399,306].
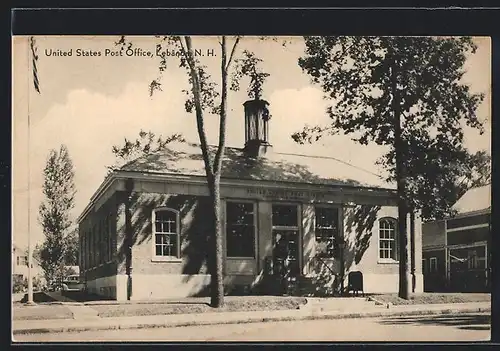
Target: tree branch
[187,54]
[223,110]
[199,111]
[232,53]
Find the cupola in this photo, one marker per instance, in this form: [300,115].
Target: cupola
[256,128]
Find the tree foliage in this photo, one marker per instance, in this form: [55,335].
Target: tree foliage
[54,211]
[249,66]
[71,248]
[364,76]
[145,144]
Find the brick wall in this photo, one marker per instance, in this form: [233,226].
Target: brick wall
[361,225]
[433,234]
[98,259]
[193,233]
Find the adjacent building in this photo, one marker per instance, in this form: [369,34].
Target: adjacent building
[20,266]
[457,250]
[292,223]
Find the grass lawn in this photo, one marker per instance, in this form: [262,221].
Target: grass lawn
[41,312]
[433,298]
[200,305]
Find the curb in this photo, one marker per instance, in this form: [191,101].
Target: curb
[378,302]
[313,316]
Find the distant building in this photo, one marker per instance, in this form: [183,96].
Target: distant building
[20,264]
[291,223]
[457,250]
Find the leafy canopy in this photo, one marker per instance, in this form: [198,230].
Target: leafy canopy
[366,77]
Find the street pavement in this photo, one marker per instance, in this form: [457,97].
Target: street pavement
[459,327]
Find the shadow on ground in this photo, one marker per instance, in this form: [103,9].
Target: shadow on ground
[80,296]
[38,297]
[476,321]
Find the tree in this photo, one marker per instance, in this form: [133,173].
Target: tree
[71,248]
[205,96]
[402,92]
[54,211]
[145,144]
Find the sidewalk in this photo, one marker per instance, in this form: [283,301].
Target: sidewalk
[84,320]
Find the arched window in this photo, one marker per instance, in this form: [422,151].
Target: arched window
[166,233]
[388,239]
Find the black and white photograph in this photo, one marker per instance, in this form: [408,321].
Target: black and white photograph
[231,188]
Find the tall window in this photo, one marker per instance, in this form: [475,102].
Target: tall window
[80,248]
[240,229]
[433,264]
[388,239]
[110,238]
[166,233]
[98,244]
[104,244]
[95,246]
[88,250]
[84,249]
[326,230]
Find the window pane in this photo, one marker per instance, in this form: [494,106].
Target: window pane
[326,223]
[165,222]
[166,236]
[285,215]
[173,245]
[240,241]
[387,236]
[326,217]
[158,227]
[240,229]
[166,250]
[166,239]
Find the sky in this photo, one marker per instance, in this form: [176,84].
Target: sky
[90,103]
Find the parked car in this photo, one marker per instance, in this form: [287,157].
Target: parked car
[72,283]
[54,285]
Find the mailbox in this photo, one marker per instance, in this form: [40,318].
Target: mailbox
[355,283]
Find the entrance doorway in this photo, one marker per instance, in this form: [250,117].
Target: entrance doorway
[286,240]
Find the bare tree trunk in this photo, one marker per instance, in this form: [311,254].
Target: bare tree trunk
[217,273]
[400,178]
[213,170]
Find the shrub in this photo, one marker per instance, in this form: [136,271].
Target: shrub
[19,284]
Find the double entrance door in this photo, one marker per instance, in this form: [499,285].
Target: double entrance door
[286,241]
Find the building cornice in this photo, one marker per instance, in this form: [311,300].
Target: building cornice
[201,180]
[471,213]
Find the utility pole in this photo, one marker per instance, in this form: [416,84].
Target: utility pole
[30,249]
